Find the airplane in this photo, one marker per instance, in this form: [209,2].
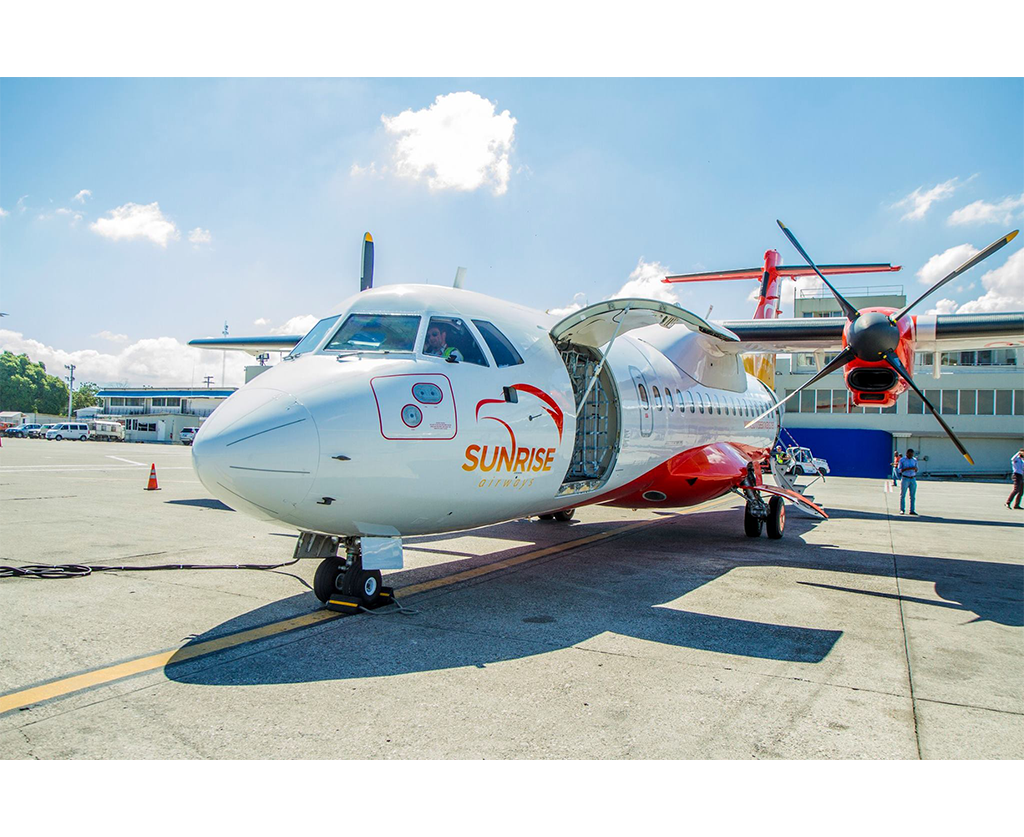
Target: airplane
[419,409]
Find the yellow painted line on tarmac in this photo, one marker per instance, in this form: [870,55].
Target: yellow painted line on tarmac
[152,662]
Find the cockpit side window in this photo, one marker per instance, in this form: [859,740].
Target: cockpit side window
[315,335]
[504,352]
[451,339]
[376,333]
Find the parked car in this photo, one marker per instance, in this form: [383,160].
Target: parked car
[40,432]
[21,431]
[69,430]
[107,431]
[800,461]
[187,435]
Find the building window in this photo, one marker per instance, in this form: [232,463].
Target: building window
[840,401]
[986,402]
[949,406]
[823,400]
[915,406]
[1004,402]
[1018,402]
[968,402]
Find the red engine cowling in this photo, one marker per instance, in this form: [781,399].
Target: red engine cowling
[875,383]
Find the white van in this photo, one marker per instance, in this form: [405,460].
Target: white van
[72,430]
[107,431]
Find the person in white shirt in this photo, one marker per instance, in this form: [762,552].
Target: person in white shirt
[908,481]
[1017,463]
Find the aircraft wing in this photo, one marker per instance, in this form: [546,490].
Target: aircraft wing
[252,345]
[933,332]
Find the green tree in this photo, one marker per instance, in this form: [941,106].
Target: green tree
[85,396]
[25,386]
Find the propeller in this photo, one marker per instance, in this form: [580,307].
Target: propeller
[873,336]
[366,272]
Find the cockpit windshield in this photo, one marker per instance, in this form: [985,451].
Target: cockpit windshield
[315,335]
[376,333]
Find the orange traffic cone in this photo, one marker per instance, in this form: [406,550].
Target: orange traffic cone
[152,486]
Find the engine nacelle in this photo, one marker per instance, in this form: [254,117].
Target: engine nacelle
[875,383]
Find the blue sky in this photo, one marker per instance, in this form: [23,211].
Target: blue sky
[265,187]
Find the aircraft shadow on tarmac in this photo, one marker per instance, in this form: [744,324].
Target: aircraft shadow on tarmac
[603,588]
[203,503]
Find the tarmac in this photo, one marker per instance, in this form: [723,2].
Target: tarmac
[621,635]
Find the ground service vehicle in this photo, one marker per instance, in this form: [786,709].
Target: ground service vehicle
[69,430]
[107,431]
[800,461]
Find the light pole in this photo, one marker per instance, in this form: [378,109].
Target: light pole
[71,385]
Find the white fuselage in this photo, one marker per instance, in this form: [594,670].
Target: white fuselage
[408,443]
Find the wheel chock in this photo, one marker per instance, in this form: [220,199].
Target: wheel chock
[341,603]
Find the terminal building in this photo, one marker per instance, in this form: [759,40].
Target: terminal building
[980,394]
[156,414]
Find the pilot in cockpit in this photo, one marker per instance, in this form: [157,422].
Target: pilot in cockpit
[437,344]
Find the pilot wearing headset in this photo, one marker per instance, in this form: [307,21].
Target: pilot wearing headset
[437,344]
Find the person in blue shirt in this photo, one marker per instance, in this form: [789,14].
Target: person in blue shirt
[1017,463]
[908,481]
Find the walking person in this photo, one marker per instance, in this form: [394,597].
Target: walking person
[1017,462]
[908,482]
[895,467]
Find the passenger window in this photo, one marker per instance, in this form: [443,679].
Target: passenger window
[700,403]
[376,333]
[668,400]
[657,396]
[679,398]
[504,352]
[449,338]
[689,400]
[643,396]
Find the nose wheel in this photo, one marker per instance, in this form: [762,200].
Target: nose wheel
[344,586]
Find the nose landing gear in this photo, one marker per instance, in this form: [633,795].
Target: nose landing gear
[341,583]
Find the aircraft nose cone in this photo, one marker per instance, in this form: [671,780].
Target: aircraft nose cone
[258,452]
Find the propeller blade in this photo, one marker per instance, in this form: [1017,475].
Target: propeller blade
[849,310]
[844,356]
[967,265]
[893,360]
[366,272]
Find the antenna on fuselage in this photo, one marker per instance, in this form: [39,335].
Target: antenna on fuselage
[366,272]
[460,276]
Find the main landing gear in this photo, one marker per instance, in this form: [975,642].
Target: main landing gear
[340,582]
[771,516]
[561,516]
[758,514]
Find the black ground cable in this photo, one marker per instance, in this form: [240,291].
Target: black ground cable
[80,570]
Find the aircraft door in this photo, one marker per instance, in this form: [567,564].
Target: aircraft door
[643,395]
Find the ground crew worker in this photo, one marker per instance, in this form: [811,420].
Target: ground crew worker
[1017,463]
[908,481]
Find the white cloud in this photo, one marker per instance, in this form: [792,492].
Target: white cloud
[645,282]
[578,301]
[113,338]
[1004,288]
[297,325]
[943,306]
[982,212]
[367,171]
[939,265]
[135,220]
[75,216]
[459,142]
[21,203]
[920,202]
[82,195]
[199,236]
[261,321]
[160,361]
[790,289]
[3,212]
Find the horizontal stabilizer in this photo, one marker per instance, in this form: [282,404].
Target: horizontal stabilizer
[253,345]
[783,270]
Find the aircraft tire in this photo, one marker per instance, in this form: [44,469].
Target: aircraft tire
[565,516]
[545,517]
[325,581]
[366,585]
[776,522]
[751,525]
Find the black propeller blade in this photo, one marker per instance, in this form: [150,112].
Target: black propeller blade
[366,273]
[967,265]
[893,360]
[843,357]
[848,309]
